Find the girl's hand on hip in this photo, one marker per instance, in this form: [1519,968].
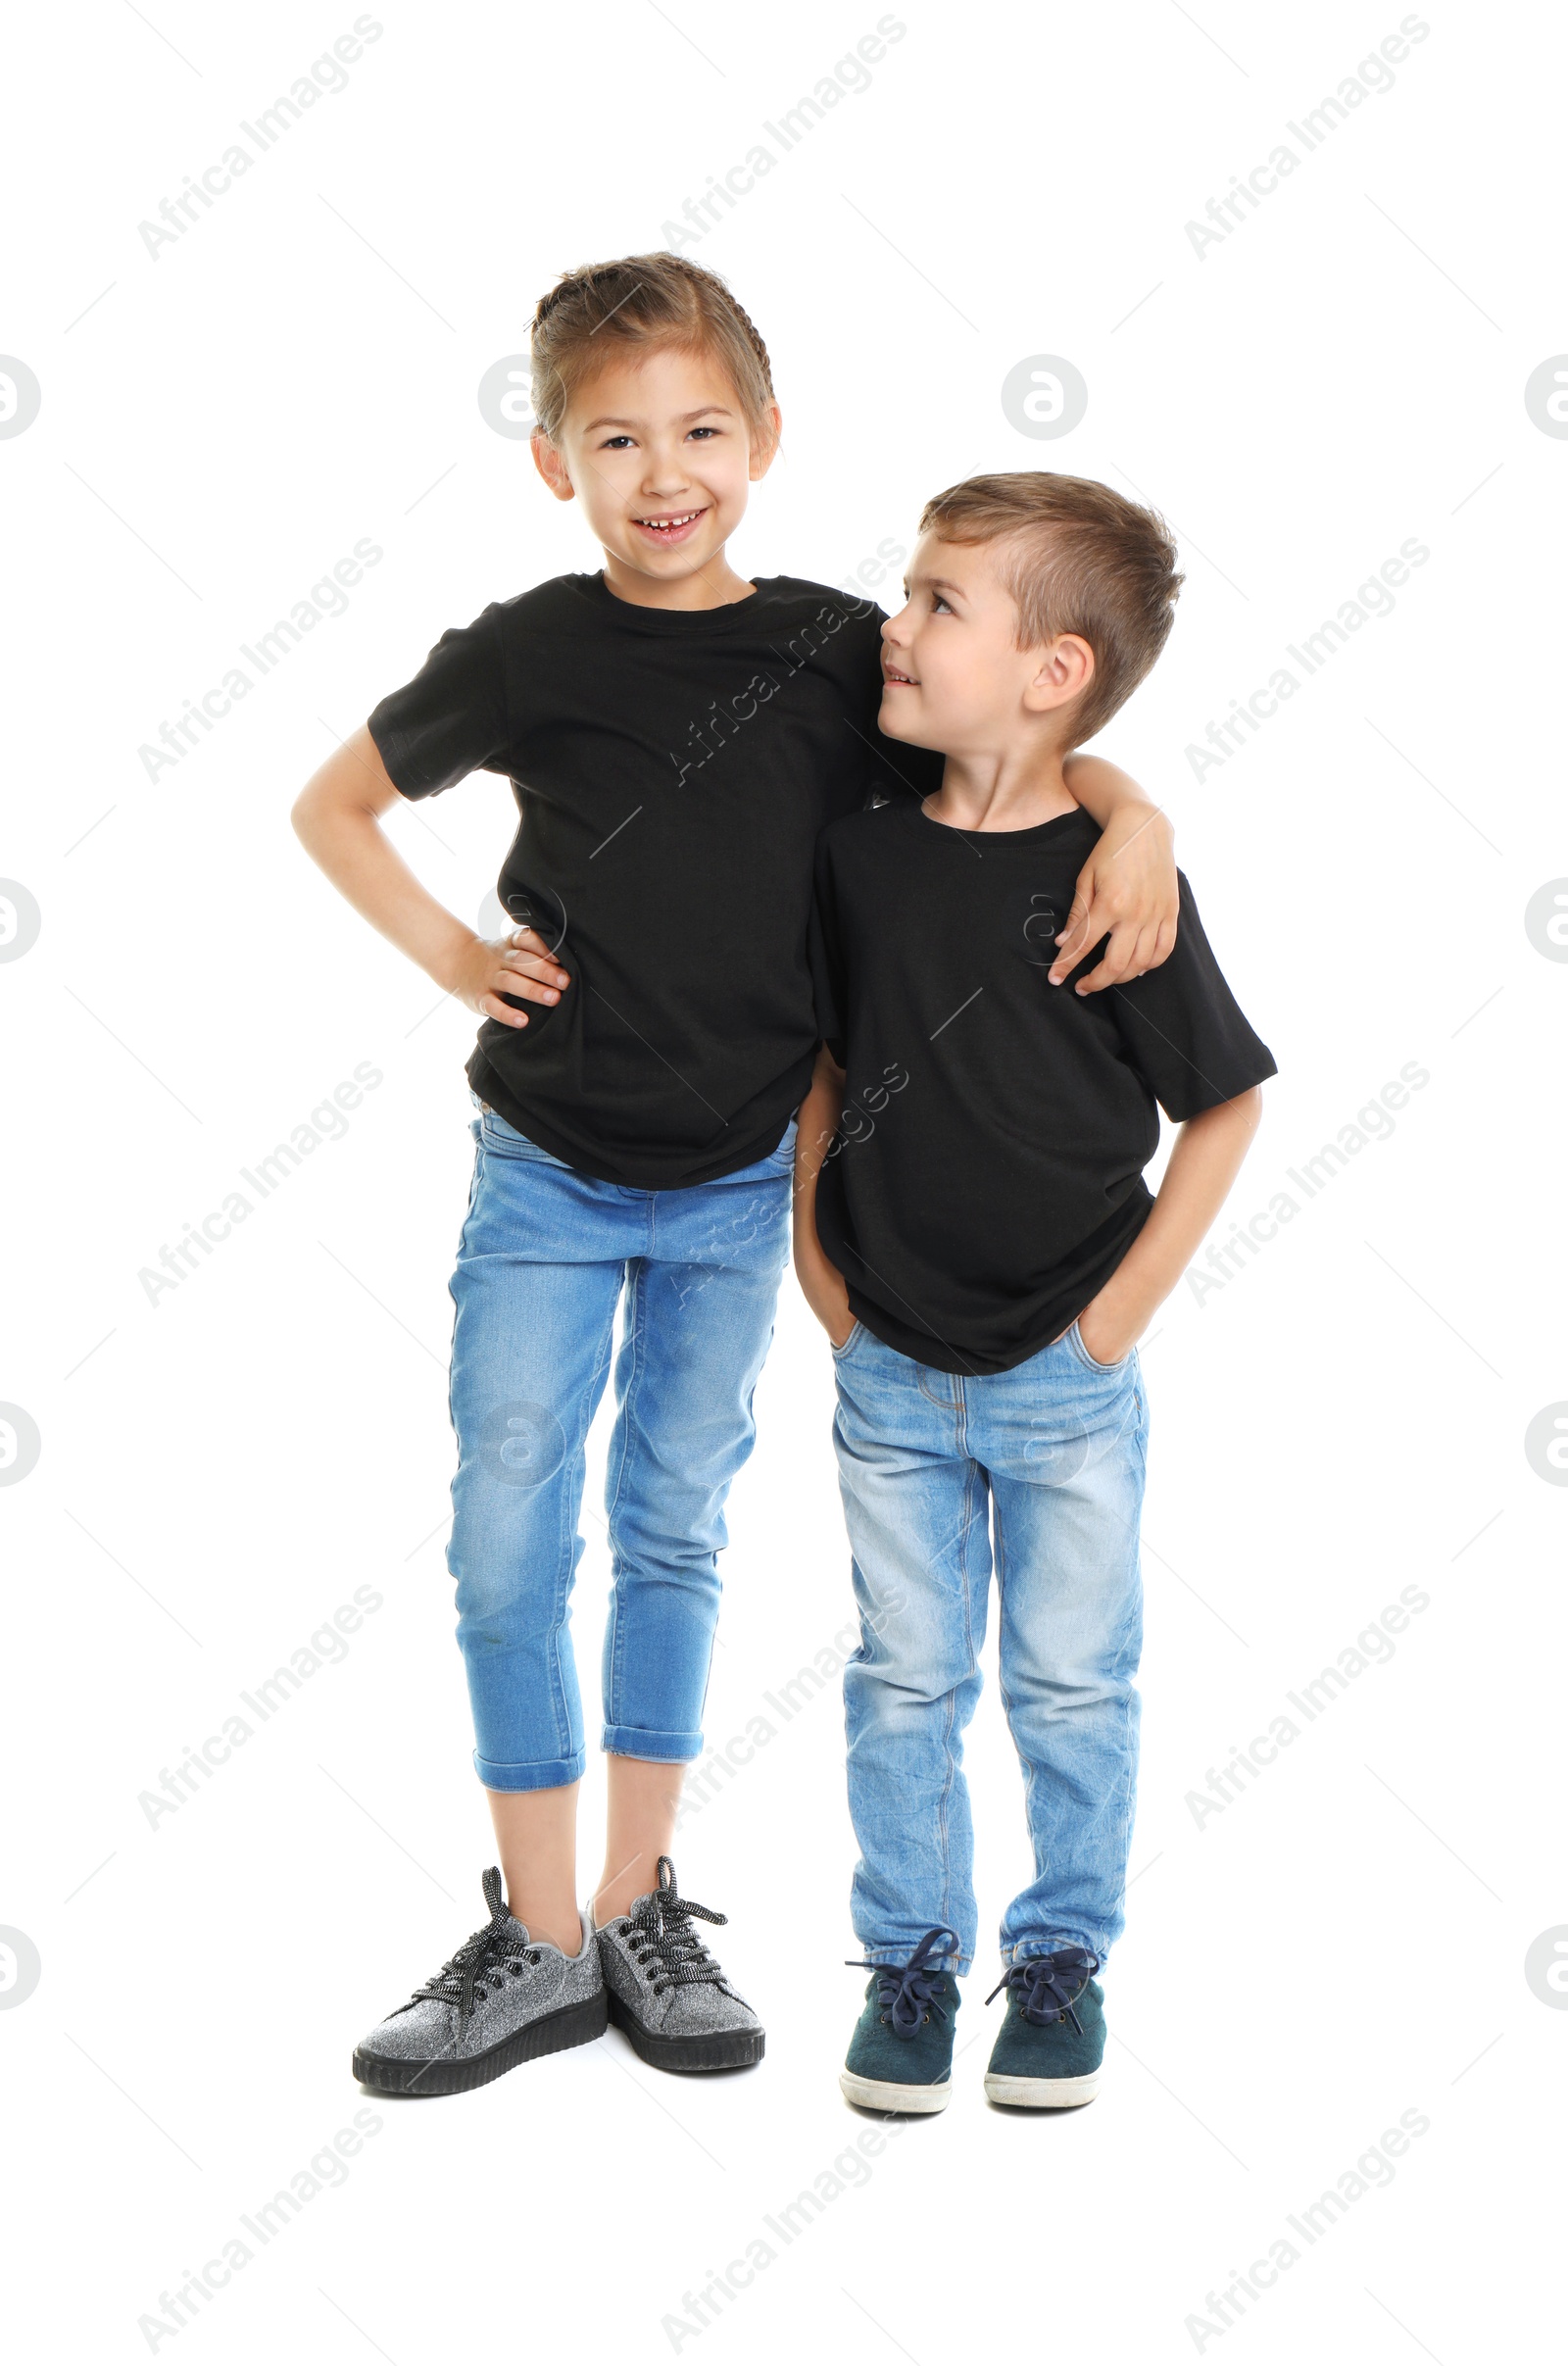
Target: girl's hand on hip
[518,963]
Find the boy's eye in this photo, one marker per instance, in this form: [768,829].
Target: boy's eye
[939,606]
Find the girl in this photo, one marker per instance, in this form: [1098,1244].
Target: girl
[675,737]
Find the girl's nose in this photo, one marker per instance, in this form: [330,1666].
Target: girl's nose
[663,470]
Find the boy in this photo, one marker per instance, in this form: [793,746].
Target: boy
[981,1248]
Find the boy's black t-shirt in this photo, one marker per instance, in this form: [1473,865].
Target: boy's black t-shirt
[671,769]
[988,1175]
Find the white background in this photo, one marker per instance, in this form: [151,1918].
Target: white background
[1343,1942]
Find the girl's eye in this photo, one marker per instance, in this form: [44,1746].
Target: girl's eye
[704,431]
[615,443]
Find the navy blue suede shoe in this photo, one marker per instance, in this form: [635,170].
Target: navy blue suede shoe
[1049,2047]
[900,2055]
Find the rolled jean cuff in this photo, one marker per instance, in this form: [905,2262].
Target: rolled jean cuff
[636,1741]
[894,1960]
[530,1774]
[1025,1950]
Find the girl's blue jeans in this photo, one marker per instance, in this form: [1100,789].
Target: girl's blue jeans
[547,1256]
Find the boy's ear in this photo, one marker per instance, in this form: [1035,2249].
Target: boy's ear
[1064,672]
[765,448]
[551,465]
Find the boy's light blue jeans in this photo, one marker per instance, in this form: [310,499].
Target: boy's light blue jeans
[545,1256]
[1036,1473]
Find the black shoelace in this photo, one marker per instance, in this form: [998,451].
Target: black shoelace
[661,1943]
[1048,1986]
[484,1962]
[906,1993]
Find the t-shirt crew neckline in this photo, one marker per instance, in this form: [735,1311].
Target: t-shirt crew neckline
[632,613]
[1059,823]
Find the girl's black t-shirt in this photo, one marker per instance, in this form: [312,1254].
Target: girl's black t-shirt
[986,1178]
[672,770]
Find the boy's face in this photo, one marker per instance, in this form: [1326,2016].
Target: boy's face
[659,452]
[954,676]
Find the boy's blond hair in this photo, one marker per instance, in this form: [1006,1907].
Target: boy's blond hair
[1078,559]
[648,301]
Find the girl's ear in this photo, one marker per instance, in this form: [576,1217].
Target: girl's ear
[765,443]
[551,465]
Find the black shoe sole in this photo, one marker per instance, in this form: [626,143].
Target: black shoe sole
[551,2032]
[733,2050]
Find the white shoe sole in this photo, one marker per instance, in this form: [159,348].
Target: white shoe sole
[882,2095]
[1042,2094]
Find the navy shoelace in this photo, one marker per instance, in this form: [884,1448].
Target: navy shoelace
[906,1993]
[1048,1986]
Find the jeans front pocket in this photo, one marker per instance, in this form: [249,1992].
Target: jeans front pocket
[782,1159]
[495,1135]
[1076,1340]
[848,1345]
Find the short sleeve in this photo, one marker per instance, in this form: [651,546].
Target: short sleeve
[826,956]
[452,718]
[1183,1030]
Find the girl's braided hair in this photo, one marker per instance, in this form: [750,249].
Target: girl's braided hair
[647,300]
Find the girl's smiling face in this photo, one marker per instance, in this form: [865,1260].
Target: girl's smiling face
[661,457]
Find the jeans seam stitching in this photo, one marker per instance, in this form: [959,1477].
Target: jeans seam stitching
[999,1556]
[570,1533]
[637,1364]
[970,1485]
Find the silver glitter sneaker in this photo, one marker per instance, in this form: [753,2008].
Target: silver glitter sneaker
[502,2000]
[665,1991]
